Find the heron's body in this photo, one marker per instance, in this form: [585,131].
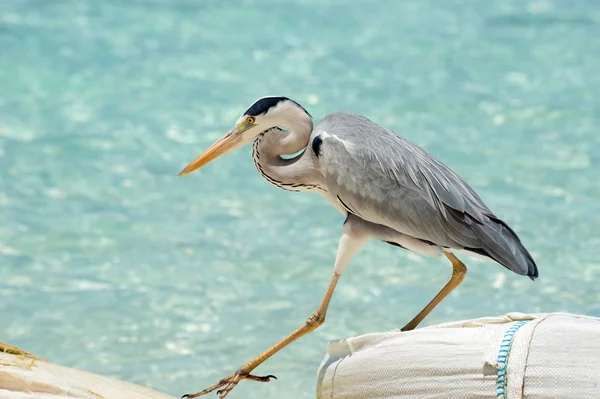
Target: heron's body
[402,194]
[387,187]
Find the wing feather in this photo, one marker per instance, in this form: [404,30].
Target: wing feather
[388,180]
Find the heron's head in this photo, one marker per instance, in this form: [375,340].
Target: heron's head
[265,113]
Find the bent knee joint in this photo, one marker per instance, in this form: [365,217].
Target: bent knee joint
[459,271]
[315,320]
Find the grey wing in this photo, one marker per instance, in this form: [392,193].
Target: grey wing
[388,180]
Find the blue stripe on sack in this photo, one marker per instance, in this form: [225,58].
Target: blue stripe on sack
[503,355]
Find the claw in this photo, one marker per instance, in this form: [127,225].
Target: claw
[228,383]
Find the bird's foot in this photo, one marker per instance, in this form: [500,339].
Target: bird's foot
[228,383]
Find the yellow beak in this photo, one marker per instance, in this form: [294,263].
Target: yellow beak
[220,147]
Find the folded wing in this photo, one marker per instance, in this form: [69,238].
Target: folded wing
[386,179]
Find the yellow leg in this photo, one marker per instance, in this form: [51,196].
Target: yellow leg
[459,270]
[243,373]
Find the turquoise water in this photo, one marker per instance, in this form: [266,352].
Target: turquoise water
[111,264]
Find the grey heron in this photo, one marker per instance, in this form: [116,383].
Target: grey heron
[387,187]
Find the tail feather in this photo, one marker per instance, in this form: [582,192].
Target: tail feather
[501,243]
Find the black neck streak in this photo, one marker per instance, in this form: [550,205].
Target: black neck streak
[277,183]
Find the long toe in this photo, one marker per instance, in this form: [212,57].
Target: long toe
[227,384]
[265,378]
[218,385]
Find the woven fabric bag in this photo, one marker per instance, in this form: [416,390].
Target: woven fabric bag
[516,356]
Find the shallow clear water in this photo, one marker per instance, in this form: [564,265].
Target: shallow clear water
[111,264]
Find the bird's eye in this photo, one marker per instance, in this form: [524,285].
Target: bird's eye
[250,120]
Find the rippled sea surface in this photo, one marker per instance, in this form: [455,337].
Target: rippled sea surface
[110,263]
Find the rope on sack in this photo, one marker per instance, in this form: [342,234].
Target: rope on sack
[503,355]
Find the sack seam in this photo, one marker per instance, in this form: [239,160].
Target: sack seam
[503,356]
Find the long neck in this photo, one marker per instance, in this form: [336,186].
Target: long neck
[299,173]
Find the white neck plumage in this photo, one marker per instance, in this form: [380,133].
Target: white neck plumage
[298,173]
